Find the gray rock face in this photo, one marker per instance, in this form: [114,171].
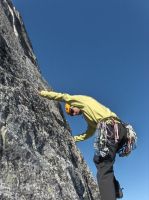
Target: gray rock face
[38,157]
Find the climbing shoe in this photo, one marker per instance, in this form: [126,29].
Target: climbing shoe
[118,189]
[119,193]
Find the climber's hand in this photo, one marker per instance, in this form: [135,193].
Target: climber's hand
[76,139]
[43,92]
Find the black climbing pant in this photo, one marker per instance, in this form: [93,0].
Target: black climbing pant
[105,173]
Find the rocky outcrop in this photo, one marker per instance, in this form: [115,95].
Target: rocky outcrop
[38,157]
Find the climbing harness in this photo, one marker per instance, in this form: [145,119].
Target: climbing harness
[104,137]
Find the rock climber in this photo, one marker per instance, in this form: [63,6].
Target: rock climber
[111,137]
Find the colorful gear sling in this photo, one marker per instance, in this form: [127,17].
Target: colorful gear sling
[104,137]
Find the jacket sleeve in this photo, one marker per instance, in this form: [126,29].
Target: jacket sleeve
[90,131]
[55,96]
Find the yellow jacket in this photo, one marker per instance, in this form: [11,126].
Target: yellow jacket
[92,110]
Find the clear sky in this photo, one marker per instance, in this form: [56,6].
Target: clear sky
[98,48]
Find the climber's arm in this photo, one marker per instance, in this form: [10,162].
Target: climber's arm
[55,96]
[90,131]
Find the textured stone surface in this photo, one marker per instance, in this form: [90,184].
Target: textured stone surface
[38,157]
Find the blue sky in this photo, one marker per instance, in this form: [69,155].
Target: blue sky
[101,49]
